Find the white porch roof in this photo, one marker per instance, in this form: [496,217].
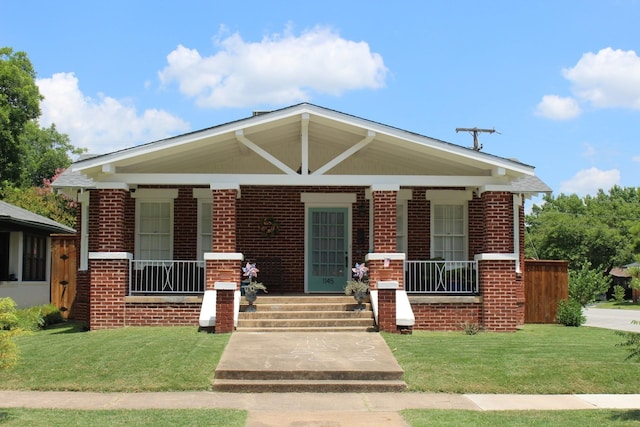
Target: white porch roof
[302,145]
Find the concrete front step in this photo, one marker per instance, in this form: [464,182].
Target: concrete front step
[297,322]
[262,306]
[306,313]
[315,386]
[311,329]
[326,314]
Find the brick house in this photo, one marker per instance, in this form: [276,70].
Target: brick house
[305,192]
[25,255]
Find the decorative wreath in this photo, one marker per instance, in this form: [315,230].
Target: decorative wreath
[269,227]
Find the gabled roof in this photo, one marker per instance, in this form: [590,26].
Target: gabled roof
[13,217]
[301,145]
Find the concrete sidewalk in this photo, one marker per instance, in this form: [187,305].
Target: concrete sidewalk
[308,409]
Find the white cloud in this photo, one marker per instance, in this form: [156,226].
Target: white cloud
[636,159]
[609,78]
[558,108]
[589,181]
[278,69]
[104,124]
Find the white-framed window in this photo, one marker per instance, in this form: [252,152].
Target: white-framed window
[155,230]
[154,224]
[449,224]
[448,232]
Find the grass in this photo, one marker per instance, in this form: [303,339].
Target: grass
[539,359]
[623,305]
[445,418]
[124,360]
[108,418]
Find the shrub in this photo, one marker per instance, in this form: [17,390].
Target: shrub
[569,313]
[8,330]
[51,315]
[38,317]
[632,342]
[618,293]
[585,285]
[471,328]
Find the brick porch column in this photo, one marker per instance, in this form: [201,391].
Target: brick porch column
[501,285]
[224,264]
[385,265]
[108,261]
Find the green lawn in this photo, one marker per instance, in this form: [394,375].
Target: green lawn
[623,305]
[539,359]
[129,418]
[590,417]
[125,359]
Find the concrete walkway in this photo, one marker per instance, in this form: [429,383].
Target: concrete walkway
[314,409]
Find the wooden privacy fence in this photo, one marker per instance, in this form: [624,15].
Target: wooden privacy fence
[545,283]
[63,274]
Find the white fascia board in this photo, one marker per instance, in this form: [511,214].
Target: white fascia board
[309,180]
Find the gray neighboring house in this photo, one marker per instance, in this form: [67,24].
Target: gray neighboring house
[25,255]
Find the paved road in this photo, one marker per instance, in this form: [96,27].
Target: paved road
[612,319]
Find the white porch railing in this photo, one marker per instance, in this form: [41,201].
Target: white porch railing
[441,277]
[166,277]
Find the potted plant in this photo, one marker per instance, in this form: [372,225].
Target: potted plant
[251,289]
[358,286]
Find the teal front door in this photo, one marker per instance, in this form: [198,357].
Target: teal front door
[327,249]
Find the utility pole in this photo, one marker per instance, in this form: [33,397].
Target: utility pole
[475,131]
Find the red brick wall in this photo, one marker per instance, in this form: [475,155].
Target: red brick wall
[498,222]
[418,226]
[476,226]
[185,225]
[384,221]
[167,314]
[500,291]
[387,310]
[445,316]
[109,280]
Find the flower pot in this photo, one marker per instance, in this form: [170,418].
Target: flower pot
[251,297]
[360,297]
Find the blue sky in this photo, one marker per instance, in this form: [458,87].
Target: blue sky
[560,80]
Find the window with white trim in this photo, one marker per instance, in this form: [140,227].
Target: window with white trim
[155,230]
[449,232]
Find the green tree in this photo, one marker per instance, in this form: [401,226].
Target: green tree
[599,229]
[42,201]
[19,103]
[45,151]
